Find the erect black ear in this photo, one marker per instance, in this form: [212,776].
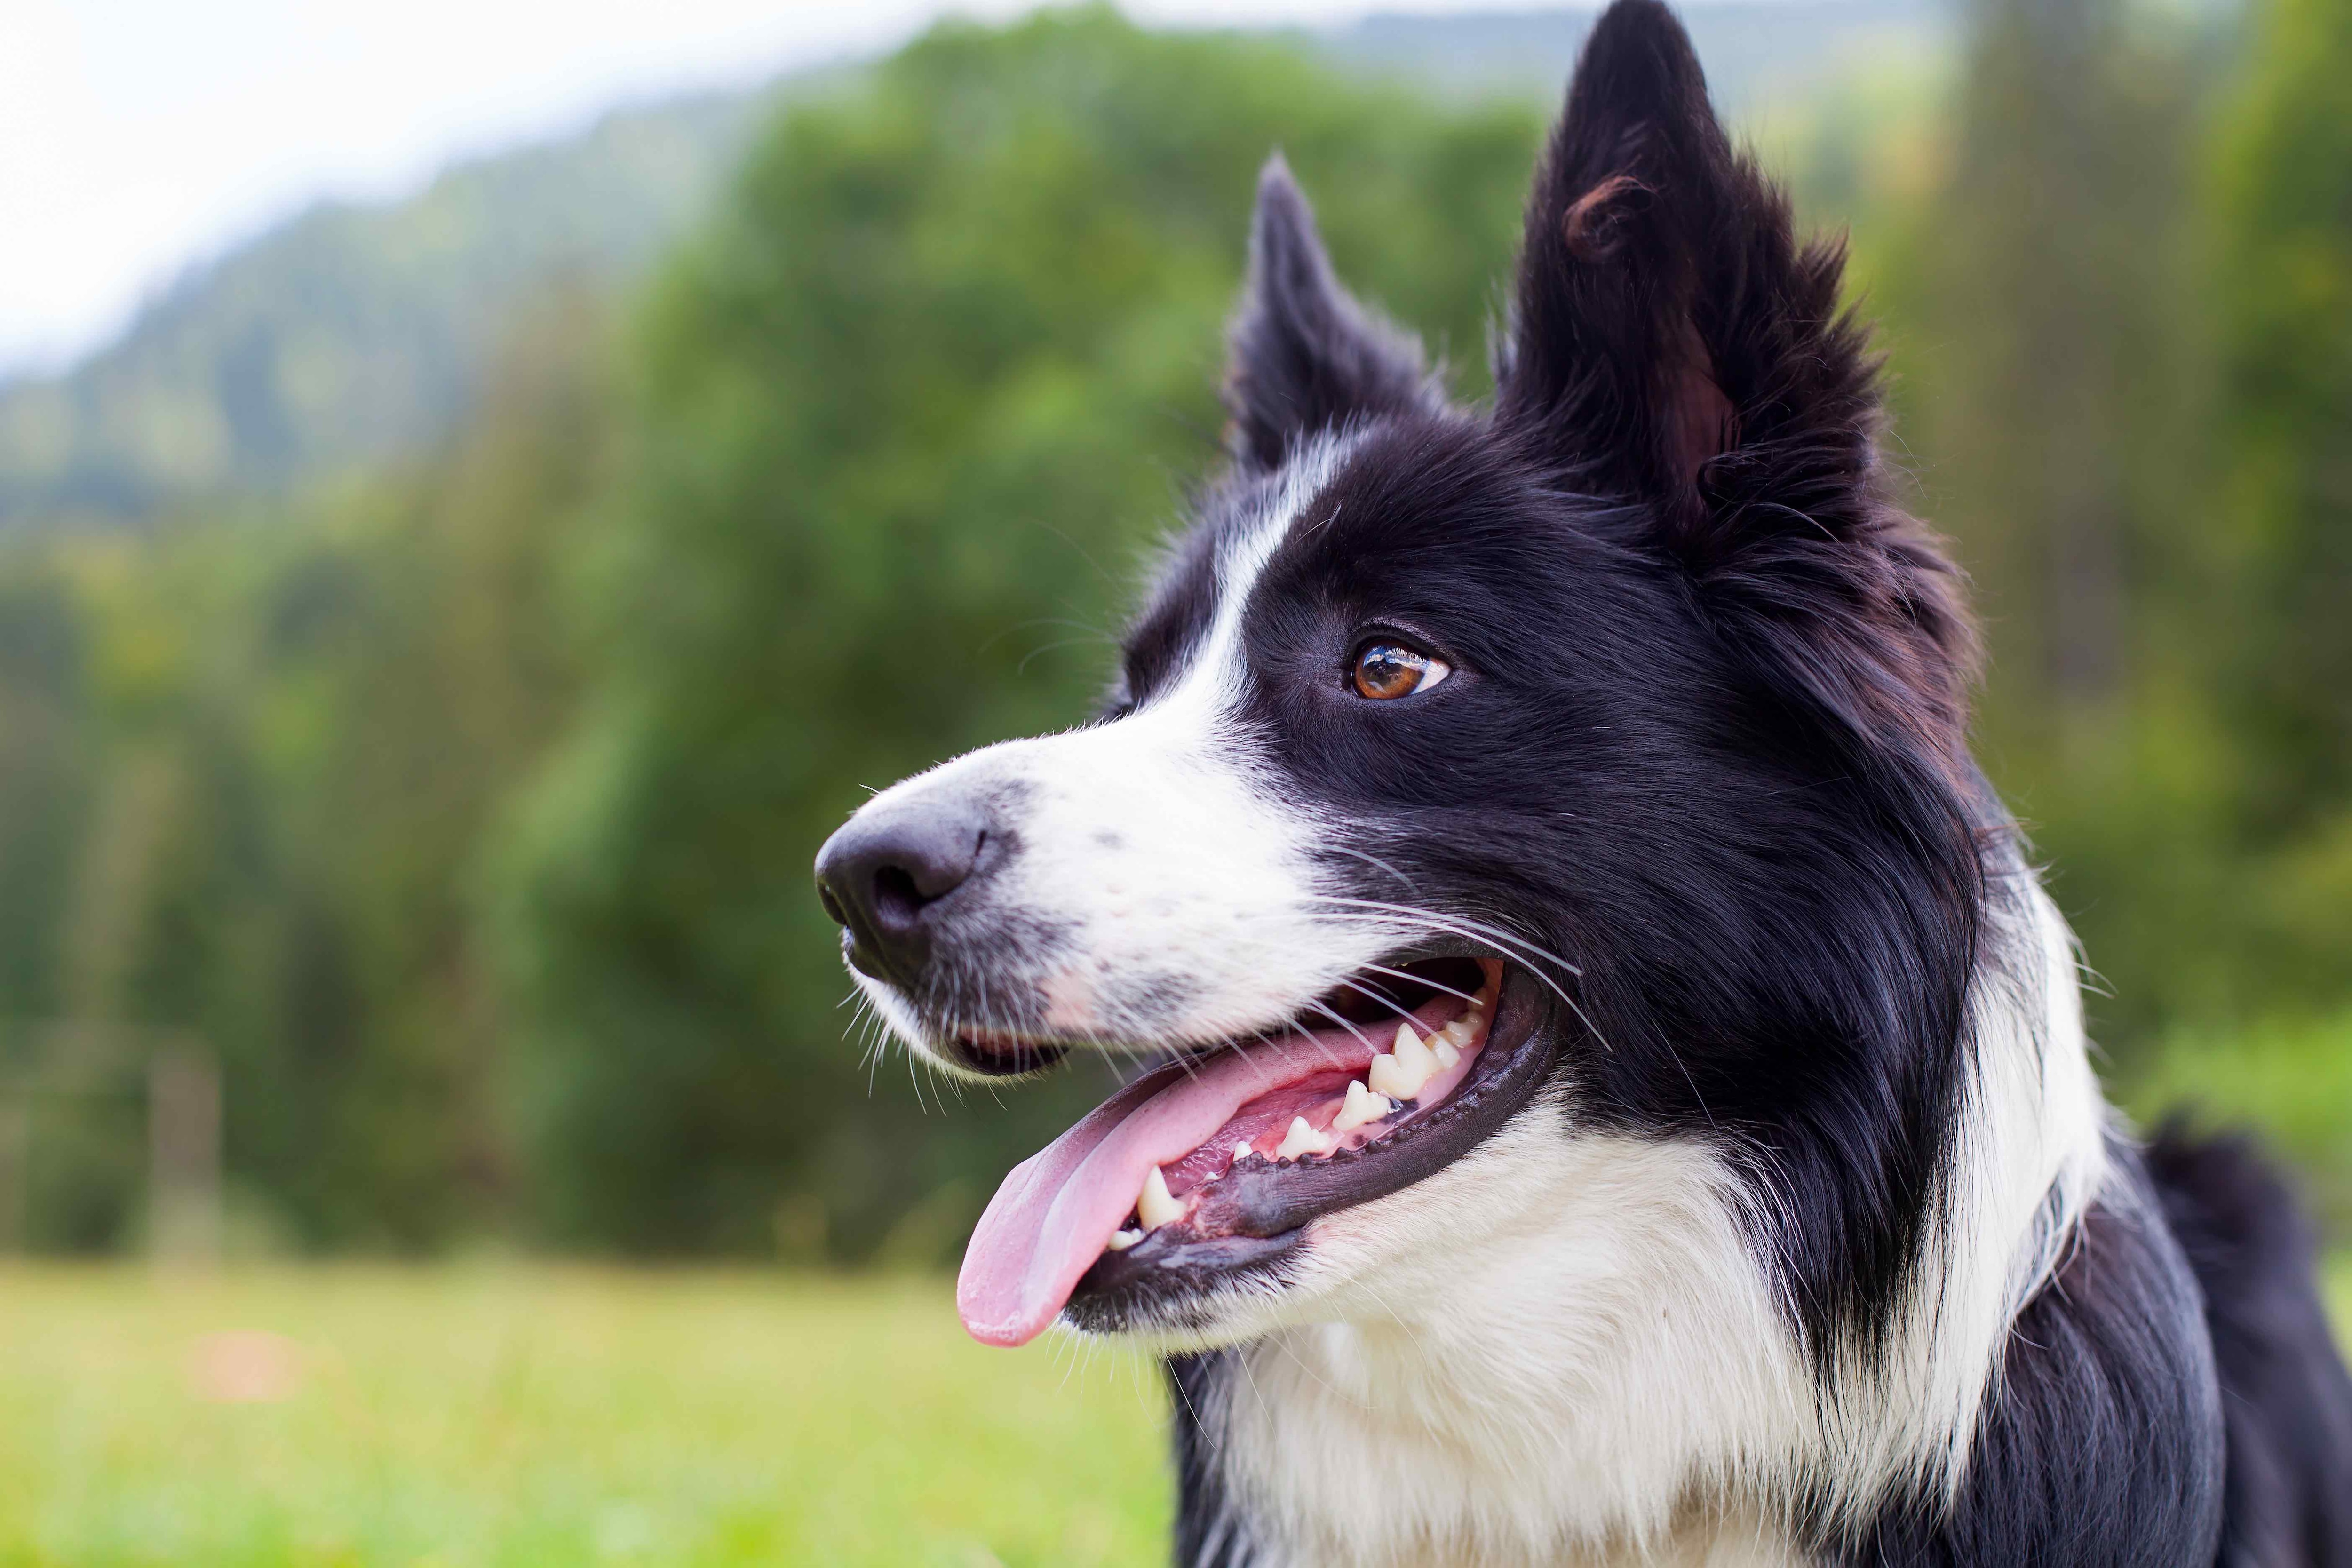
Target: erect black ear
[1663,315]
[1302,354]
[1672,344]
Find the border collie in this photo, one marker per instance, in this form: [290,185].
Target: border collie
[1620,1090]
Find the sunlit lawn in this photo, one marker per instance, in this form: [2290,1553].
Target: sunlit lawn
[499,1416]
[459,1417]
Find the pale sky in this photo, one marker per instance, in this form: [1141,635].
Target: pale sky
[138,137]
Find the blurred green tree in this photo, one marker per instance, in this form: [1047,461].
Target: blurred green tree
[2048,338]
[908,413]
[253,759]
[466,808]
[45,769]
[2120,322]
[2280,533]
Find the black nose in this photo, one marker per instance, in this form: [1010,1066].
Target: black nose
[881,874]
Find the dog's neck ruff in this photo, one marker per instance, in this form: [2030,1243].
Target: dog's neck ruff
[1611,1378]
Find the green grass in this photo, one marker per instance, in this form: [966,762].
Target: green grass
[460,1417]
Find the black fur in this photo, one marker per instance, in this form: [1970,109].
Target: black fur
[1210,1529]
[2103,1443]
[1747,808]
[1710,708]
[2287,1402]
[1703,757]
[1305,355]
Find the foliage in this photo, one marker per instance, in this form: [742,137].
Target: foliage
[909,411]
[463,806]
[2068,405]
[2267,924]
[260,752]
[2279,534]
[353,335]
[2289,1077]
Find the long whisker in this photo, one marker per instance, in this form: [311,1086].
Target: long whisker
[917,1085]
[1439,922]
[1462,924]
[1369,860]
[1485,928]
[1328,1013]
[1420,980]
[1383,997]
[1478,932]
[1023,668]
[1474,929]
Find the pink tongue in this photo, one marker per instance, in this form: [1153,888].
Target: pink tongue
[1055,1212]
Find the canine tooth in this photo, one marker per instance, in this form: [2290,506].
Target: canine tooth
[1387,1077]
[1401,1074]
[1361,1106]
[1446,1052]
[1303,1139]
[1120,1240]
[1155,1207]
[1416,1061]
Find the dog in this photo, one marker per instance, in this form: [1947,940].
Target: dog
[1621,1091]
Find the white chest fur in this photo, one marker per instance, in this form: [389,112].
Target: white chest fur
[1603,1378]
[1563,1348]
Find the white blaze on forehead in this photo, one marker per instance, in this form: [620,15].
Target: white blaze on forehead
[1246,553]
[1163,852]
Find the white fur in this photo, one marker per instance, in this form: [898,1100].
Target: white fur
[2030,1156]
[1559,1344]
[1564,1346]
[1151,842]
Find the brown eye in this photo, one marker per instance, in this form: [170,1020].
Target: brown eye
[1388,669]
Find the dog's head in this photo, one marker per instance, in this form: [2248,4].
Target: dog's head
[1478,781]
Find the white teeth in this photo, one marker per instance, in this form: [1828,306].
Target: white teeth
[1393,1078]
[1155,1207]
[1361,1106]
[1416,1059]
[1387,1077]
[1303,1139]
[1120,1240]
[1400,1075]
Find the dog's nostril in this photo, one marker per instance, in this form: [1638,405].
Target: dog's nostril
[897,900]
[880,876]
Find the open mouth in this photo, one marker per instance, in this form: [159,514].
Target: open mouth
[1207,1170]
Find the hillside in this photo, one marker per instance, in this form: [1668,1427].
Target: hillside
[352,334]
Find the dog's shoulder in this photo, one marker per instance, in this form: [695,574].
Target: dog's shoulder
[2103,1442]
